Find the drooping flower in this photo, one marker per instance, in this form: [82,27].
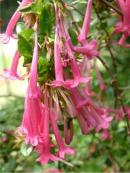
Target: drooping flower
[87,48]
[89,115]
[77,77]
[123,24]
[33,89]
[12,23]
[86,24]
[60,33]
[32,116]
[12,72]
[62,148]
[32,108]
[44,147]
[57,60]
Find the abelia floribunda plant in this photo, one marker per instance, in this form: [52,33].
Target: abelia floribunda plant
[59,84]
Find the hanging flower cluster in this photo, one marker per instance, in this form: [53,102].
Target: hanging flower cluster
[51,107]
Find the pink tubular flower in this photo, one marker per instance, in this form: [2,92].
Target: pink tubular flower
[75,69]
[44,147]
[12,23]
[62,148]
[86,24]
[33,88]
[12,72]
[72,61]
[123,25]
[68,83]
[32,111]
[89,49]
[57,60]
[89,114]
[31,121]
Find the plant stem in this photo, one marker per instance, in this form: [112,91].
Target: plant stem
[109,4]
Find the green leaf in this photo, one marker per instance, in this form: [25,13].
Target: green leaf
[73,36]
[46,19]
[25,45]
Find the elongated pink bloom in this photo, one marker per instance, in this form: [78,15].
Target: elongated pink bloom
[68,83]
[32,109]
[100,79]
[89,114]
[86,24]
[12,72]
[89,49]
[12,23]
[62,148]
[32,87]
[123,25]
[44,147]
[72,62]
[57,60]
[31,121]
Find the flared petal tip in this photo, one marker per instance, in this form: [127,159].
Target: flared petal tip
[8,74]
[5,38]
[34,141]
[45,158]
[66,150]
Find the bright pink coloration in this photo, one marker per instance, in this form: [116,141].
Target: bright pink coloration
[33,108]
[69,83]
[89,115]
[62,148]
[12,72]
[31,121]
[72,83]
[58,63]
[12,23]
[75,69]
[44,147]
[100,79]
[123,26]
[106,135]
[121,4]
[33,89]
[86,24]
[89,49]
[68,131]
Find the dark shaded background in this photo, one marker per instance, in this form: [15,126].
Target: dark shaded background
[7,8]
